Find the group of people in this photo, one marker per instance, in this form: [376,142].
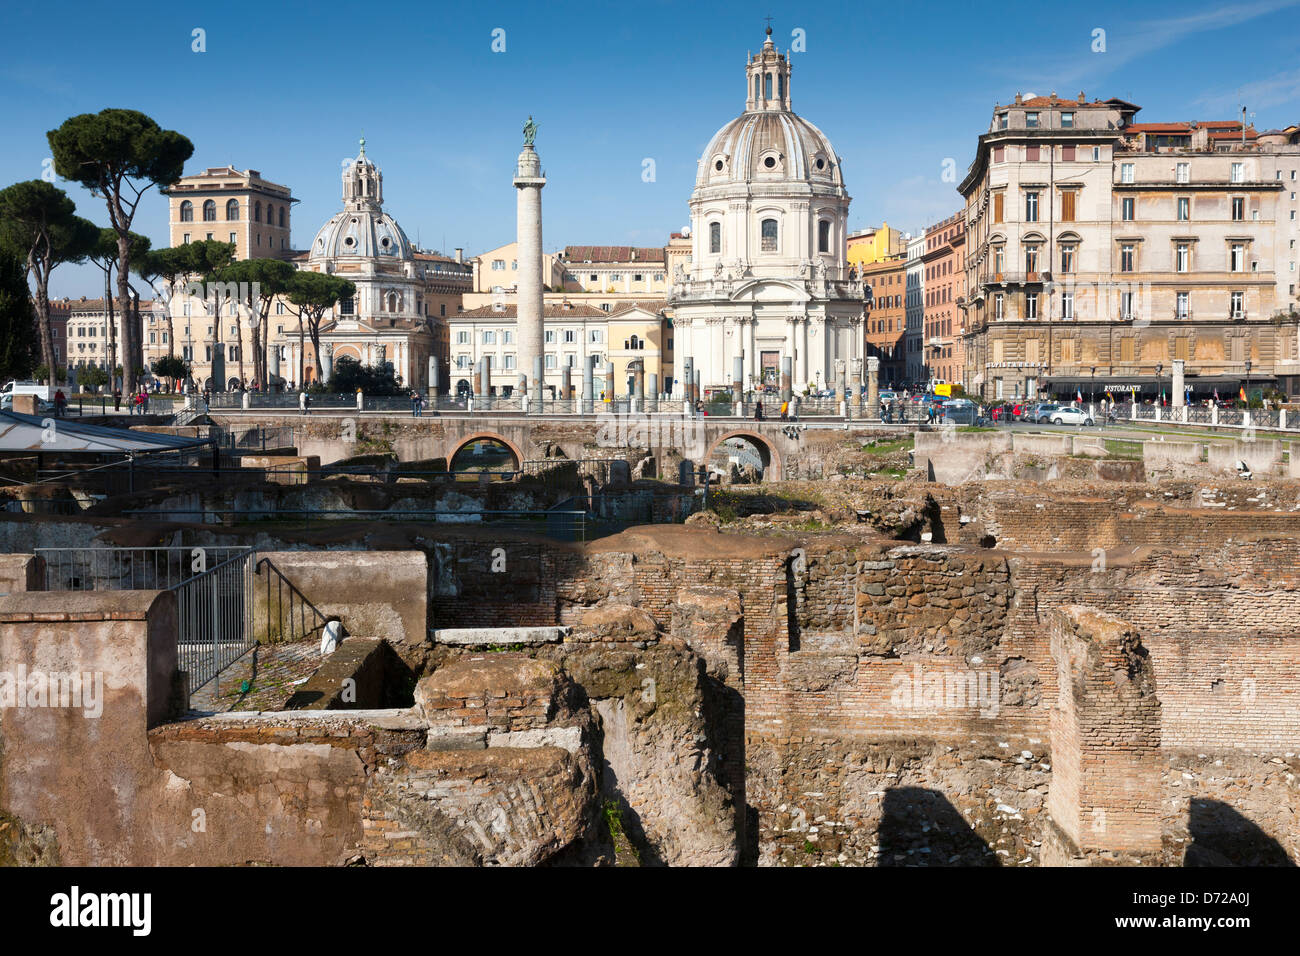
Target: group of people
[137,403]
[789,410]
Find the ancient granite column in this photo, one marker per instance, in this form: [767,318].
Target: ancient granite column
[873,385]
[1179,388]
[529,182]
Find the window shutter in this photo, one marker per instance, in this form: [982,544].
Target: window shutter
[1067,206]
[998,199]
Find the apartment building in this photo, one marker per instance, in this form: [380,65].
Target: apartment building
[943,266]
[633,332]
[914,307]
[1101,250]
[886,316]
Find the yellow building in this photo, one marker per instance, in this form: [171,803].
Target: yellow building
[875,245]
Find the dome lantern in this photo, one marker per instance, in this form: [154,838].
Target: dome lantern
[767,79]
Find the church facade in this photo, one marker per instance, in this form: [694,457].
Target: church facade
[768,277]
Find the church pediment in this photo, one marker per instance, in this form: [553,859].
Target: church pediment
[770,290]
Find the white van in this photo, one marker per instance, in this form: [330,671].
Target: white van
[13,387]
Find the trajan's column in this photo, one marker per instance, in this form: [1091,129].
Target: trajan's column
[529,182]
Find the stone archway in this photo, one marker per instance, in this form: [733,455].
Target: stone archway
[486,436]
[773,468]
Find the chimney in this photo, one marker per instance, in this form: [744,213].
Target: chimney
[1020,99]
[460,254]
[1081,97]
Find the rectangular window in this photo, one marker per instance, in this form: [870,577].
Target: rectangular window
[1067,121]
[1238,209]
[550,360]
[998,199]
[823,236]
[1067,205]
[510,362]
[1127,208]
[999,153]
[1002,120]
[1238,172]
[1237,257]
[1067,154]
[549,335]
[489,338]
[1031,154]
[1031,305]
[1126,312]
[1238,305]
[596,336]
[1126,257]
[1126,172]
[1031,259]
[462,338]
[1067,306]
[1184,208]
[507,337]
[1182,307]
[570,336]
[999,306]
[1184,172]
[1031,120]
[1096,154]
[1183,257]
[1031,207]
[1067,259]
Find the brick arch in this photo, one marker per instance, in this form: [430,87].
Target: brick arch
[772,466]
[350,351]
[480,436]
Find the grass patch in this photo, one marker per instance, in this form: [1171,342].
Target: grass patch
[1123,448]
[625,852]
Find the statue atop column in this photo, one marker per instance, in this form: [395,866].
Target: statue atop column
[530,131]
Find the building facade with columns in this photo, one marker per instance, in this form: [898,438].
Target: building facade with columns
[768,279]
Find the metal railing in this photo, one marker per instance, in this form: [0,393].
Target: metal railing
[213,588]
[214,612]
[560,525]
[127,569]
[289,615]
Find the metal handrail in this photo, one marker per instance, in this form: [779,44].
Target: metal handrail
[302,632]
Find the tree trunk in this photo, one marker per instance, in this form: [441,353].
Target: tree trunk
[302,356]
[171,333]
[111,345]
[43,317]
[124,325]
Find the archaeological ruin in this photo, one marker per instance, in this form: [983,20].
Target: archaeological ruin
[651,640]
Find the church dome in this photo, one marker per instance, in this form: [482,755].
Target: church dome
[362,229]
[361,233]
[769,142]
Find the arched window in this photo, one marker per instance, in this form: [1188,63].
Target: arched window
[393,302]
[715,237]
[768,231]
[270,215]
[824,236]
[187,211]
[257,211]
[634,343]
[209,211]
[232,210]
[281,217]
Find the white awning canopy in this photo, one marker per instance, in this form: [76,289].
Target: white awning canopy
[31,433]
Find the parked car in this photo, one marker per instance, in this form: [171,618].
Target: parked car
[1042,412]
[1069,415]
[962,412]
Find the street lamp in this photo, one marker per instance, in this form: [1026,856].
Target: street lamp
[1248,383]
[1159,368]
[1092,388]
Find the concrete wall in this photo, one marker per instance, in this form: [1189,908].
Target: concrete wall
[1023,443]
[951,457]
[21,572]
[381,594]
[1262,457]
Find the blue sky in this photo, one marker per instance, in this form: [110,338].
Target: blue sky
[287,88]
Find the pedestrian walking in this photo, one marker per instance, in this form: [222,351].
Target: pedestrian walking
[302,402]
[785,411]
[758,411]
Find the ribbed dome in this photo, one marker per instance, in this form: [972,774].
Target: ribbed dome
[362,229]
[362,233]
[769,146]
